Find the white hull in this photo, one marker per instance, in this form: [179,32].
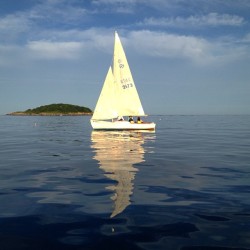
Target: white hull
[121,125]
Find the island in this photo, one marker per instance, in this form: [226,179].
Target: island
[59,109]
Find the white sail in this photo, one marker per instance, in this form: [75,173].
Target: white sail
[128,101]
[119,96]
[106,104]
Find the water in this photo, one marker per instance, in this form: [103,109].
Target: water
[186,186]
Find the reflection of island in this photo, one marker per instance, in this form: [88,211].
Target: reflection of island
[117,152]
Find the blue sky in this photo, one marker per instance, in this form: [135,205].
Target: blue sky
[186,56]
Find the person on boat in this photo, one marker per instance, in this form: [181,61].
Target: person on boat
[120,118]
[131,120]
[139,120]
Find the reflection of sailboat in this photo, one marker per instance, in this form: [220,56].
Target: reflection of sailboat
[117,152]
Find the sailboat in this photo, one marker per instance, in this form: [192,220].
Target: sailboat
[119,97]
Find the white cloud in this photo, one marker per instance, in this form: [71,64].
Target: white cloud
[57,12]
[100,39]
[130,6]
[211,19]
[247,38]
[119,6]
[12,26]
[152,3]
[74,44]
[99,2]
[198,50]
[55,50]
[220,19]
[70,44]
[48,12]
[159,44]
[171,6]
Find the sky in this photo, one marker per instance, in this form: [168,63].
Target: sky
[186,56]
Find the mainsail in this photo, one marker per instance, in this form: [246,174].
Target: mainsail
[129,102]
[119,96]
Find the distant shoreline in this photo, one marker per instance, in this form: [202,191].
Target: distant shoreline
[55,109]
[49,114]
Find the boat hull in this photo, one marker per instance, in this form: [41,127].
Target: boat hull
[121,125]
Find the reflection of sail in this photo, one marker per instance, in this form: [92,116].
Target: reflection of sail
[116,153]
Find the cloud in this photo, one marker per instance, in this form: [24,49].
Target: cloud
[90,39]
[76,44]
[195,49]
[129,6]
[117,6]
[160,44]
[246,39]
[48,12]
[211,19]
[152,3]
[71,44]
[170,6]
[21,25]
[54,12]
[12,27]
[55,50]
[13,23]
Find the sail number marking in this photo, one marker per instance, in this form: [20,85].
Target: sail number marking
[126,83]
[125,80]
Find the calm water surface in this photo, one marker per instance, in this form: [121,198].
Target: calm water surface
[185,186]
